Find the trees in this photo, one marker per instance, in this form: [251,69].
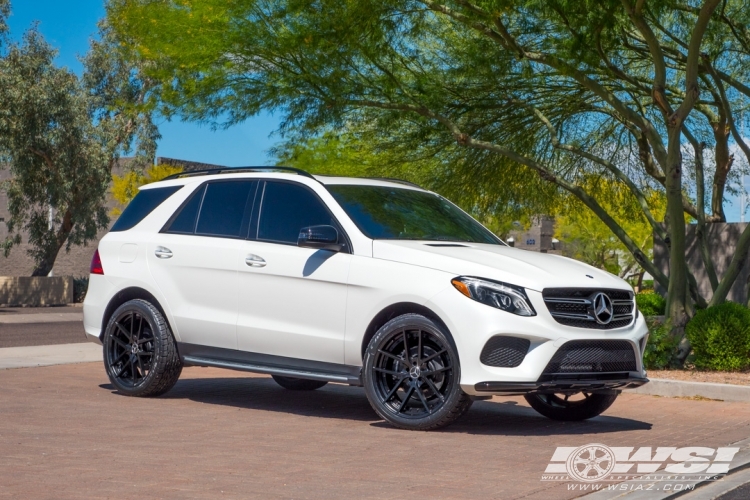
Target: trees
[125,186]
[61,136]
[645,94]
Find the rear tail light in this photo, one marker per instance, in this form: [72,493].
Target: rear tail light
[96,264]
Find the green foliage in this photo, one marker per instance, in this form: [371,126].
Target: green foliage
[650,303]
[661,346]
[61,135]
[80,287]
[720,337]
[504,106]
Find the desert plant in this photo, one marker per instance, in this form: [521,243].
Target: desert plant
[80,287]
[660,347]
[720,337]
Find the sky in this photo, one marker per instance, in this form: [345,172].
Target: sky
[69,25]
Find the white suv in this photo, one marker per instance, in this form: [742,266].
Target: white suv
[369,282]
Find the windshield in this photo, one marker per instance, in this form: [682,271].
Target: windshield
[404,214]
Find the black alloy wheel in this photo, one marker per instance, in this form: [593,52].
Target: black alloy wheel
[412,374]
[140,354]
[572,407]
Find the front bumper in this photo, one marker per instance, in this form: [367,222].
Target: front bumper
[569,383]
[473,324]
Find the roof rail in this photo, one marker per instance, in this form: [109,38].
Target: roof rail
[237,170]
[398,181]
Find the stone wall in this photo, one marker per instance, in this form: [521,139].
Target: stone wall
[722,240]
[36,291]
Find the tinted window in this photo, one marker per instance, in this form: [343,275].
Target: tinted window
[405,214]
[143,204]
[224,211]
[286,209]
[185,220]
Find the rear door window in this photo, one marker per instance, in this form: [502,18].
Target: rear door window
[225,210]
[143,204]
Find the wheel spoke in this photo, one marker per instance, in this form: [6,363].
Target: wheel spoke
[132,370]
[424,401]
[434,389]
[121,343]
[406,399]
[123,353]
[406,350]
[140,330]
[123,330]
[433,356]
[394,390]
[140,366]
[419,348]
[437,370]
[132,323]
[394,357]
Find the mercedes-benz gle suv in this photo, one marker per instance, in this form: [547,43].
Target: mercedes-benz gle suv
[367,282]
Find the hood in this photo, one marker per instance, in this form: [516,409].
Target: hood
[532,270]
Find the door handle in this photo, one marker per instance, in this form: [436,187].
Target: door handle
[163,252]
[253,260]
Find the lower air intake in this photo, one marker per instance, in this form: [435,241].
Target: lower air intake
[593,356]
[504,352]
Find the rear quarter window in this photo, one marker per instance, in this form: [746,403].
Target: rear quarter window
[143,204]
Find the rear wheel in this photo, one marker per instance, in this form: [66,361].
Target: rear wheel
[571,407]
[411,374]
[298,384]
[140,353]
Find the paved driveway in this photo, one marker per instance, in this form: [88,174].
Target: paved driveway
[219,434]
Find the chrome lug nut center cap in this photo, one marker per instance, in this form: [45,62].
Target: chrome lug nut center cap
[415,372]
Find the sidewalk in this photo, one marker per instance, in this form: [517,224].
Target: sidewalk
[46,355]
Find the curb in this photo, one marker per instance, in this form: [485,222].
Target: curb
[681,389]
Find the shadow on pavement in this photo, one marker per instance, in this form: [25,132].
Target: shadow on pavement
[344,402]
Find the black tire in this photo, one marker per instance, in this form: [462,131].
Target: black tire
[558,407]
[298,384]
[140,353]
[411,374]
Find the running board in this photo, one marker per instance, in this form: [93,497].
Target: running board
[272,370]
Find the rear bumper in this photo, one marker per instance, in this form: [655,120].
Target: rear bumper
[564,383]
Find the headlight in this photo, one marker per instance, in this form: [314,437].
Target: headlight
[507,297]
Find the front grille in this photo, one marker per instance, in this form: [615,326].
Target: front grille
[504,352]
[593,356]
[575,307]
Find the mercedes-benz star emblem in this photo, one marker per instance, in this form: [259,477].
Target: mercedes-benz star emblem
[603,309]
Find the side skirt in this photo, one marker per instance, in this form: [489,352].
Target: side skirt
[198,355]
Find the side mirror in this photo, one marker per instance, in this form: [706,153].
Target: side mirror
[321,237]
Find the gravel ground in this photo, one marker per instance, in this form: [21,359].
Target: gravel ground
[736,378]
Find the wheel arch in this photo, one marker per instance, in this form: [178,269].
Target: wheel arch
[128,294]
[398,309]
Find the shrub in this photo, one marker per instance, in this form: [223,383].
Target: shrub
[660,346]
[80,286]
[651,304]
[720,337]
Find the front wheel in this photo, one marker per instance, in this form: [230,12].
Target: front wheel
[140,353]
[571,407]
[411,374]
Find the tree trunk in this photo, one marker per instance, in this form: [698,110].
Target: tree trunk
[44,264]
[677,292]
